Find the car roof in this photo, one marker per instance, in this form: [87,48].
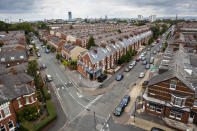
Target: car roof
[126,96]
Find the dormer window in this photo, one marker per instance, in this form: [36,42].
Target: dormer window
[2,59]
[12,58]
[21,57]
[172,85]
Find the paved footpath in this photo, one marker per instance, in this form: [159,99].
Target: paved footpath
[146,125]
[134,93]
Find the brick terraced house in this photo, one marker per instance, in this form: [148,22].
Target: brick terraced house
[96,61]
[17,91]
[172,94]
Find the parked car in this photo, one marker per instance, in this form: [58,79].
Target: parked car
[125,101]
[154,52]
[134,62]
[119,77]
[38,55]
[144,53]
[145,83]
[43,66]
[119,110]
[147,66]
[151,60]
[144,62]
[148,49]
[141,75]
[49,78]
[47,51]
[102,77]
[137,59]
[131,66]
[127,69]
[143,58]
[156,129]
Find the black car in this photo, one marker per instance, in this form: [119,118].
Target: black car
[119,110]
[156,129]
[102,77]
[145,83]
[125,101]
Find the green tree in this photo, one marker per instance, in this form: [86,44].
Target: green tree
[164,29]
[48,47]
[150,41]
[32,68]
[119,31]
[91,42]
[156,31]
[58,56]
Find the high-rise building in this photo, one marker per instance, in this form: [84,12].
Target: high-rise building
[69,15]
[140,17]
[152,18]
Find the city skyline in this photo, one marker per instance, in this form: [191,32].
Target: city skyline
[48,9]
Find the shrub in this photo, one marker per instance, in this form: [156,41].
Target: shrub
[28,114]
[46,94]
[52,116]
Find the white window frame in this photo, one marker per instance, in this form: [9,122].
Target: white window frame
[195,103]
[11,123]
[27,100]
[176,101]
[3,126]
[178,118]
[152,108]
[172,112]
[174,88]
[19,103]
[159,109]
[32,99]
[12,57]
[6,111]
[172,99]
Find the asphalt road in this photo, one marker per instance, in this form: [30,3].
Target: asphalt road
[79,108]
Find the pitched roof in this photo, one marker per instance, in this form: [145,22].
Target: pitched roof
[13,86]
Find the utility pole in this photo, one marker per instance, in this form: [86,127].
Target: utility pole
[134,112]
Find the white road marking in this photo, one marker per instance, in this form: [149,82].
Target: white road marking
[76,100]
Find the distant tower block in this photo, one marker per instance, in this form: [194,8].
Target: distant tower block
[69,15]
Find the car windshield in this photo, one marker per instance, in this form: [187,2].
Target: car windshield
[118,108]
[124,100]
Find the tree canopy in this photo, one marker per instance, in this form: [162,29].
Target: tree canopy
[156,31]
[91,42]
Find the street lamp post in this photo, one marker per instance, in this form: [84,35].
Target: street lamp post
[94,118]
[134,112]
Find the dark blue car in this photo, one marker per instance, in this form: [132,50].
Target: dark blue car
[125,101]
[119,77]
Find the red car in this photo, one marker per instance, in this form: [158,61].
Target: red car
[137,59]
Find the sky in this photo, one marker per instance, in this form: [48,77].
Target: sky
[58,9]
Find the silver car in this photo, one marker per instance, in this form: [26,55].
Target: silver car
[141,75]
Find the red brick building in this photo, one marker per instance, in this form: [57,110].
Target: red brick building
[172,93]
[7,116]
[100,59]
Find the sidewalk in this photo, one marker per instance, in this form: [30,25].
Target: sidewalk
[147,125]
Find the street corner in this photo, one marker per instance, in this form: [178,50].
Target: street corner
[122,119]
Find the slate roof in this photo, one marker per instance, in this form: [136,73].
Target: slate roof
[181,67]
[69,46]
[13,53]
[103,52]
[13,86]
